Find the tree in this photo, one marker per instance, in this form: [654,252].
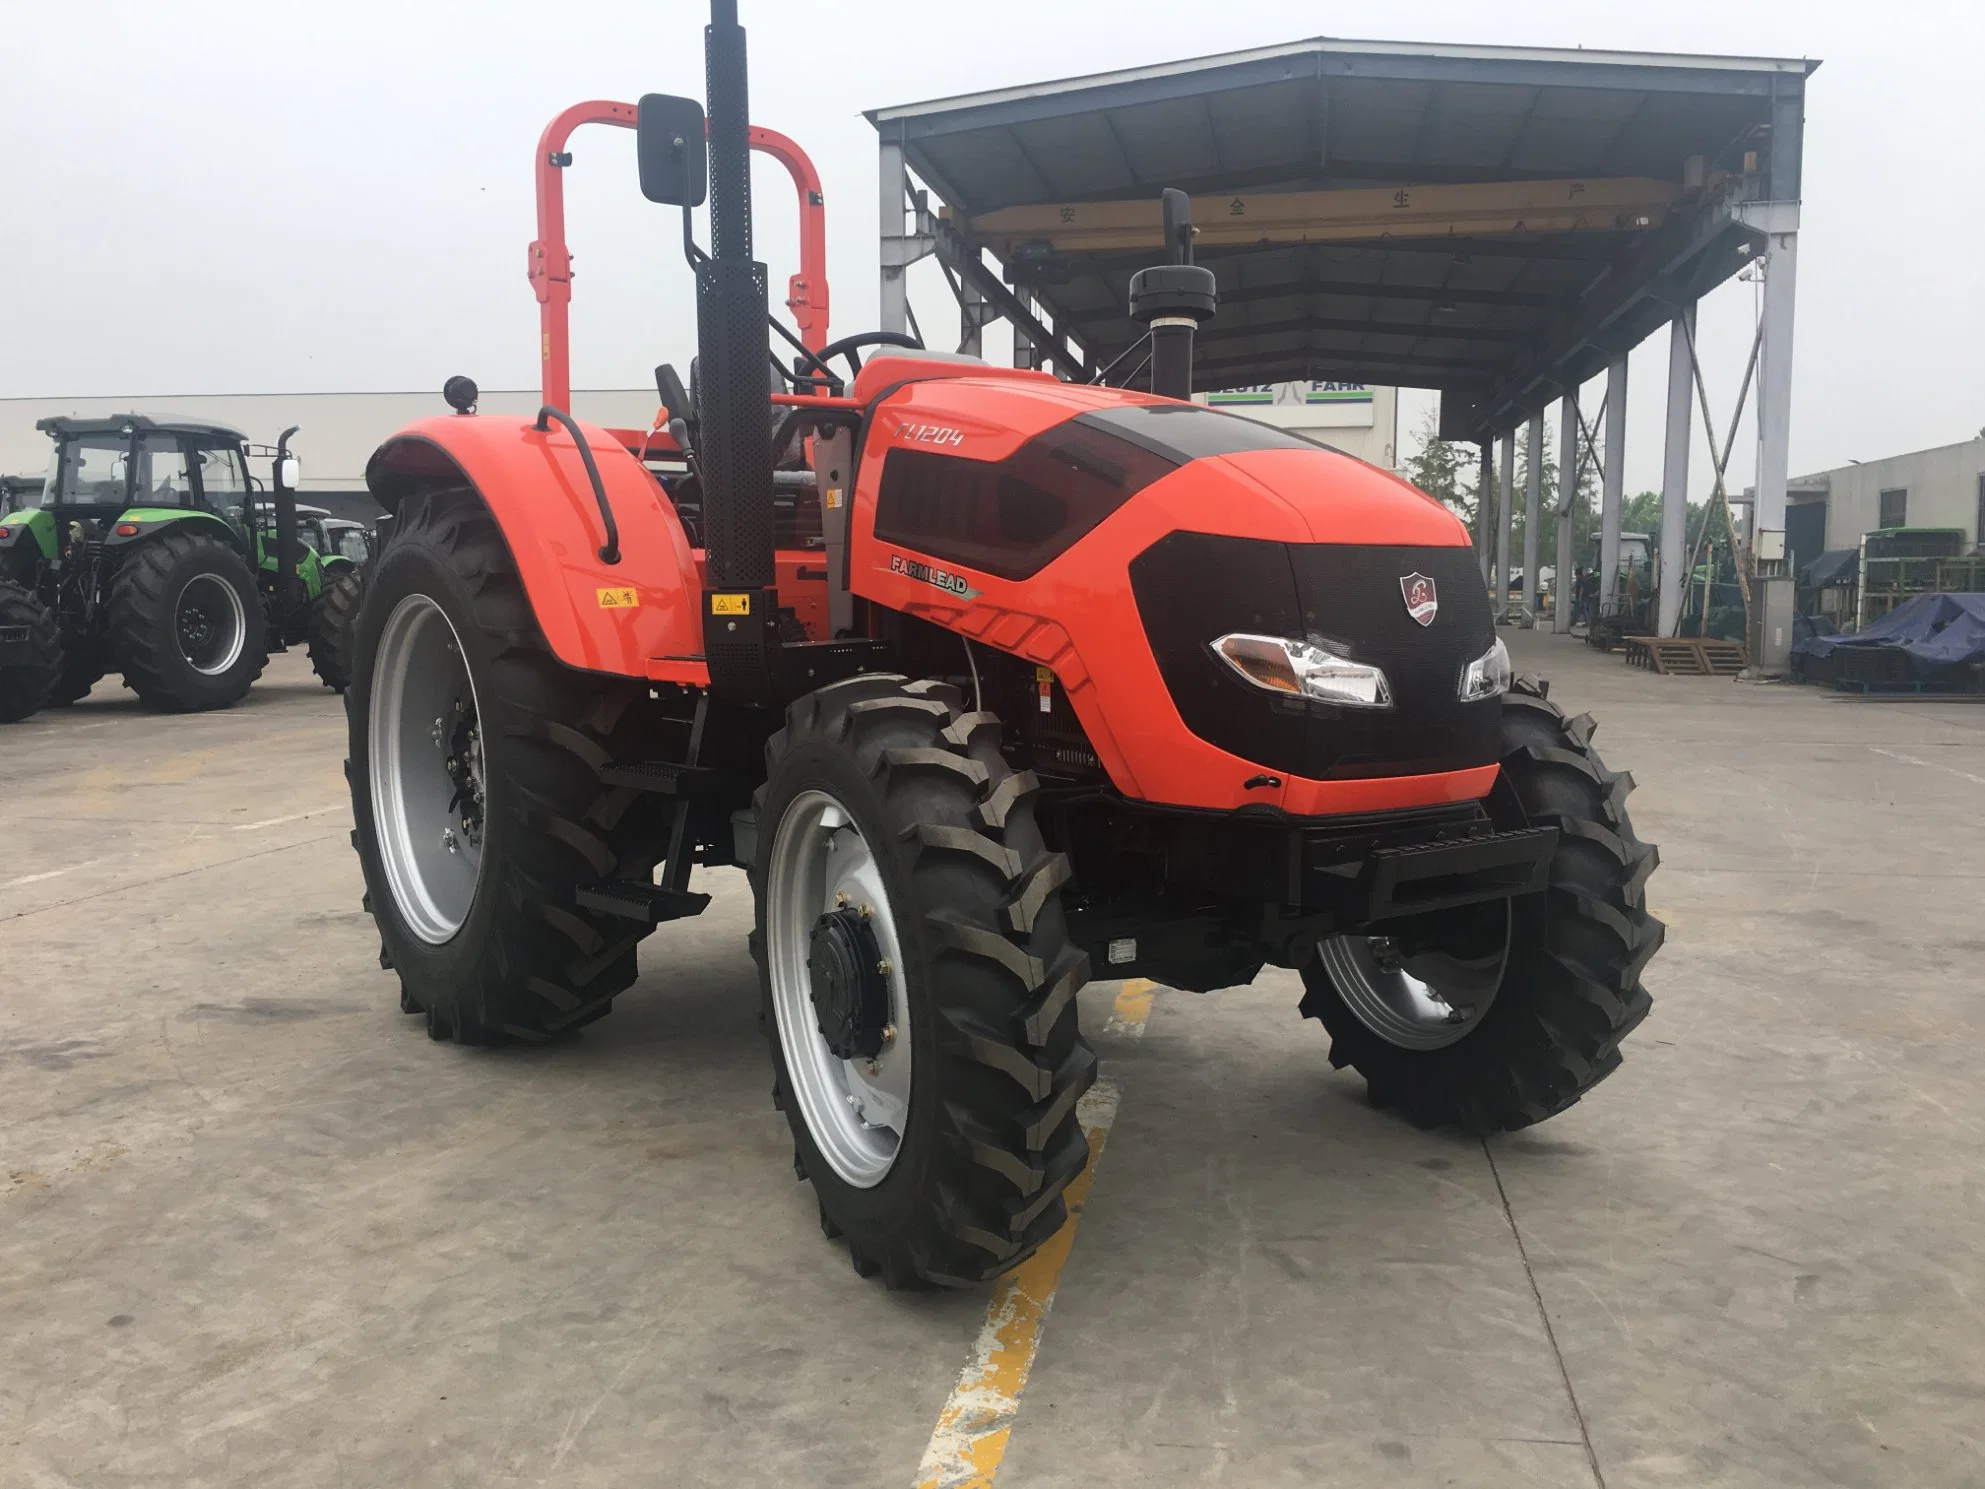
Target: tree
[1438,468]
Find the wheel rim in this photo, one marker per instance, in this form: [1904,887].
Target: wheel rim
[856,1109]
[210,624]
[429,800]
[1416,997]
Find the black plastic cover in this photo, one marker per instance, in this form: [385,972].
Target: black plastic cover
[1192,588]
[1012,517]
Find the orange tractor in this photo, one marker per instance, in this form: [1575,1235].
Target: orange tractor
[988,680]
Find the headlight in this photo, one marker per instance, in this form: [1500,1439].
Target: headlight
[1304,670]
[1488,675]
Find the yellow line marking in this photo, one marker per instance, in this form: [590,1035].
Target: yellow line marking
[971,1434]
[1132,1008]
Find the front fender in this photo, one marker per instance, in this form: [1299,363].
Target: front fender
[535,485]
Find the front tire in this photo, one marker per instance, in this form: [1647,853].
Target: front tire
[28,684]
[1548,1029]
[186,623]
[934,1110]
[473,768]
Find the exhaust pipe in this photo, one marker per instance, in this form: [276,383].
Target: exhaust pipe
[1172,299]
[740,611]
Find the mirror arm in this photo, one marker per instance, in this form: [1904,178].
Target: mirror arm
[696,256]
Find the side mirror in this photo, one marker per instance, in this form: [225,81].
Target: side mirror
[670,144]
[290,476]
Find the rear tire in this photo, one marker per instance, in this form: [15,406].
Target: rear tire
[968,1181]
[511,955]
[1571,987]
[186,623]
[27,686]
[82,669]
[329,634]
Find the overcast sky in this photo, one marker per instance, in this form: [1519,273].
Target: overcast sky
[227,197]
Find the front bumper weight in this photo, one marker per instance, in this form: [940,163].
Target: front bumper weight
[1438,876]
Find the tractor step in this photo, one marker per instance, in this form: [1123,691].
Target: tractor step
[664,777]
[650,904]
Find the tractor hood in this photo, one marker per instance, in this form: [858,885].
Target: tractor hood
[1116,539]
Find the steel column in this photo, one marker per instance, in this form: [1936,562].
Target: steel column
[1673,545]
[894,189]
[1567,567]
[1485,497]
[1613,484]
[1023,344]
[971,319]
[1505,511]
[1533,514]
[1775,403]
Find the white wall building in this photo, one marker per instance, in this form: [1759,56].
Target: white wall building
[1352,417]
[1944,487]
[338,433]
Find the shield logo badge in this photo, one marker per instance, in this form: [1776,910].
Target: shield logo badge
[1422,600]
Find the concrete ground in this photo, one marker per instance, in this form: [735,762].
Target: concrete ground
[256,1230]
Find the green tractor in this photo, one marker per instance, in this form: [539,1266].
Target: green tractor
[18,491]
[148,550]
[339,547]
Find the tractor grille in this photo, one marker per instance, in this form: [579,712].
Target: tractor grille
[1192,588]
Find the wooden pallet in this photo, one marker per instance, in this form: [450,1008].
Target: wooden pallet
[1722,658]
[1685,656]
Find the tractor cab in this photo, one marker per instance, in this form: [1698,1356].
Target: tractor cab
[101,469]
[20,491]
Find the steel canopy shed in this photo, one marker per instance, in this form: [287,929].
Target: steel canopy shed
[1666,174]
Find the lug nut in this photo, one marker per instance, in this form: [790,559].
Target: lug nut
[885,966]
[448,840]
[888,1035]
[868,912]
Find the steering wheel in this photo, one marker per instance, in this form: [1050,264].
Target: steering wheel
[847,346]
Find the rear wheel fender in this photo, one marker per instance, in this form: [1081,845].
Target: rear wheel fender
[535,485]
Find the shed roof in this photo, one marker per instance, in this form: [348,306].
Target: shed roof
[1501,319]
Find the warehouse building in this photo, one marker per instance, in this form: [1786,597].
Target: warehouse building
[1356,418]
[1943,487]
[337,431]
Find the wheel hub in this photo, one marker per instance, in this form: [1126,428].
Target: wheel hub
[1428,987]
[209,624]
[429,789]
[464,767]
[835,962]
[848,981]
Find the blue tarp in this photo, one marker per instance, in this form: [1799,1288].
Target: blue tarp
[1933,629]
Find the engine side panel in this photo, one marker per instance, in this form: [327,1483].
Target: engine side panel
[622,618]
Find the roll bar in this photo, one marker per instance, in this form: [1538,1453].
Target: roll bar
[551,260]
